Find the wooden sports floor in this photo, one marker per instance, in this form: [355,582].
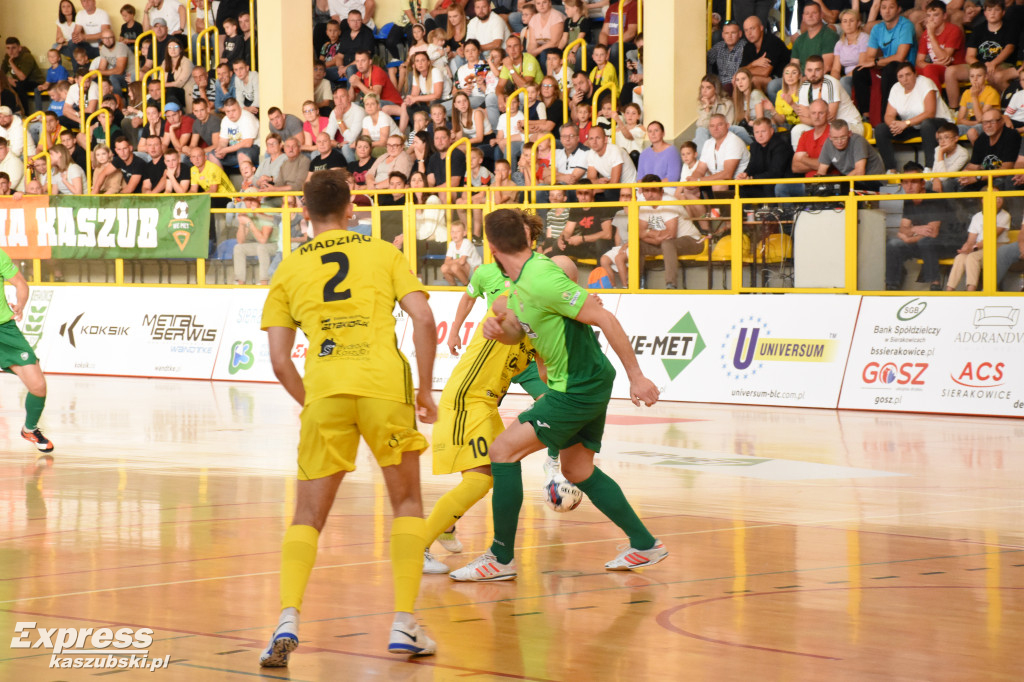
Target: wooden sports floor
[805,545]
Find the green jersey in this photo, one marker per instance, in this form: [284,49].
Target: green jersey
[487,281]
[7,270]
[547,302]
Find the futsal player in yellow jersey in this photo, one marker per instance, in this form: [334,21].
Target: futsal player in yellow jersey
[340,289]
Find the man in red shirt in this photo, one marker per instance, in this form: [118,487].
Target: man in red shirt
[805,160]
[369,78]
[942,44]
[614,25]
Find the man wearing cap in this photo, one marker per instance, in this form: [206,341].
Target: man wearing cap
[171,11]
[163,37]
[178,133]
[11,129]
[21,69]
[10,164]
[113,60]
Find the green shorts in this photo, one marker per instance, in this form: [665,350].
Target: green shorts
[14,349]
[562,420]
[531,382]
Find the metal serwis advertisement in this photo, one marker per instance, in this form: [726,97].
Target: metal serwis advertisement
[768,350]
[134,332]
[953,355]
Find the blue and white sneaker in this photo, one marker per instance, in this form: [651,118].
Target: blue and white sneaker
[407,640]
[282,643]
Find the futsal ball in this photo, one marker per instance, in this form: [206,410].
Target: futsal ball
[599,279]
[562,496]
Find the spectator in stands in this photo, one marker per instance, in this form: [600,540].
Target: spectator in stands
[470,123]
[420,150]
[21,70]
[171,11]
[394,160]
[921,235]
[588,230]
[345,122]
[377,125]
[360,166]
[818,85]
[518,68]
[68,176]
[11,129]
[162,38]
[105,178]
[1012,102]
[437,174]
[178,68]
[816,39]
[725,56]
[239,131]
[257,236]
[462,258]
[132,168]
[993,42]
[724,156]
[177,178]
[604,72]
[852,43]
[152,125]
[950,157]
[942,45]
[748,102]
[764,55]
[245,26]
[712,101]
[771,156]
[153,177]
[659,159]
[355,37]
[12,166]
[326,157]
[89,25]
[313,126]
[428,85]
[488,28]
[293,170]
[890,45]
[178,134]
[614,25]
[206,126]
[968,257]
[271,162]
[510,133]
[664,232]
[224,87]
[849,154]
[577,23]
[915,109]
[114,57]
[974,101]
[607,163]
[1006,256]
[808,150]
[247,87]
[370,79]
[233,48]
[570,157]
[546,28]
[70,142]
[65,27]
[998,148]
[71,116]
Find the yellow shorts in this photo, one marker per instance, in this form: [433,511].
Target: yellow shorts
[330,430]
[461,440]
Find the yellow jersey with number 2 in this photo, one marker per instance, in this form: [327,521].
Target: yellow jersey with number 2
[340,289]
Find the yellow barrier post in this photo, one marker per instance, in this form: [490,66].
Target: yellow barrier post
[88,143]
[582,42]
[152,44]
[633,245]
[710,28]
[83,90]
[550,137]
[736,232]
[469,181]
[639,28]
[252,34]
[188,29]
[205,51]
[159,71]
[988,253]
[851,210]
[728,10]
[43,137]
[508,122]
[610,87]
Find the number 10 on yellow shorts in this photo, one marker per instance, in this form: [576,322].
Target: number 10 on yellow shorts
[462,439]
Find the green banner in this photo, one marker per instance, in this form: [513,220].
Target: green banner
[98,227]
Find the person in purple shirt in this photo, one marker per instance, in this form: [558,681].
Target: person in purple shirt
[660,158]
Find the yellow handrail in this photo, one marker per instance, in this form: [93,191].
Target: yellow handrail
[188,28]
[205,33]
[582,42]
[83,89]
[252,34]
[43,137]
[158,70]
[525,109]
[533,163]
[88,140]
[597,98]
[49,169]
[639,16]
[622,29]
[152,44]
[710,16]
[469,177]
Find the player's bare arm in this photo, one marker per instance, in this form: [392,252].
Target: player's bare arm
[504,326]
[21,289]
[641,389]
[415,306]
[281,340]
[461,313]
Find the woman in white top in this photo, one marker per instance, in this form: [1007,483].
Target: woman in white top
[428,85]
[469,122]
[852,43]
[376,125]
[510,123]
[431,227]
[915,109]
[65,24]
[68,177]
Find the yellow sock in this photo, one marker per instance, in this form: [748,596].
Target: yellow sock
[298,554]
[408,539]
[456,502]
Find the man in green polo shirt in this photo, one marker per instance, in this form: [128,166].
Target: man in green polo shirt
[16,355]
[557,314]
[817,38]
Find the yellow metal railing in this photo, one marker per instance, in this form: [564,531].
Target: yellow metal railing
[582,42]
[461,142]
[252,34]
[188,25]
[49,169]
[550,139]
[734,223]
[87,131]
[595,105]
[138,52]
[44,139]
[83,91]
[155,71]
[525,109]
[202,36]
[622,30]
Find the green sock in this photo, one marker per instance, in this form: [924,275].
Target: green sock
[553,453]
[506,501]
[608,498]
[33,408]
